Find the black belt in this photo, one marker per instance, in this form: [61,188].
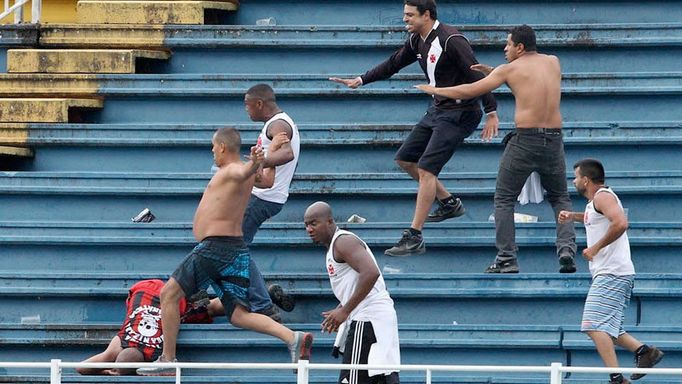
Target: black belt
[536,131]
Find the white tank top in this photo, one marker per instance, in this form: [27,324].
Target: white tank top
[614,259]
[279,192]
[378,304]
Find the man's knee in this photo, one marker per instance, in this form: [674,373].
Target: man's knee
[172,291]
[406,165]
[425,174]
[239,316]
[129,355]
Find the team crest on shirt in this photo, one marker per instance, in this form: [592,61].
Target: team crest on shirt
[432,58]
[147,331]
[330,269]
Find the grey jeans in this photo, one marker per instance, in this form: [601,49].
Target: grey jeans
[531,150]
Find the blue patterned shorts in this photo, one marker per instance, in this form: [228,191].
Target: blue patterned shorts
[221,262]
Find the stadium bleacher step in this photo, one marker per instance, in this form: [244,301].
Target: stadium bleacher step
[173,196]
[305,85]
[478,298]
[354,49]
[150,12]
[15,151]
[44,110]
[80,60]
[361,134]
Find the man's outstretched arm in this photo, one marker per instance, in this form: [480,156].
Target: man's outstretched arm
[469,91]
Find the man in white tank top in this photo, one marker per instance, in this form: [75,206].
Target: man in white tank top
[261,105]
[365,309]
[608,253]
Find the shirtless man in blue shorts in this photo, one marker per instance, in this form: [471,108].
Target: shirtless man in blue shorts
[221,259]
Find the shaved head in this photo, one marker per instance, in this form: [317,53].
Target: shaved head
[230,137]
[319,223]
[319,210]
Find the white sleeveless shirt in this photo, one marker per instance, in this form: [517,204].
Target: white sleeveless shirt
[614,259]
[344,279]
[376,308]
[279,192]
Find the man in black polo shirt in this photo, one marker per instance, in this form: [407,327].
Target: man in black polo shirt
[445,56]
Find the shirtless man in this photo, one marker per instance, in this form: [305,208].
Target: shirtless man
[536,145]
[221,259]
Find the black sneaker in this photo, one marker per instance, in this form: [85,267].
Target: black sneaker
[621,381]
[409,244]
[506,266]
[272,312]
[446,211]
[647,360]
[281,298]
[566,264]
[197,306]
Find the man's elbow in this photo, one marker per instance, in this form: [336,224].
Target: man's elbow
[623,224]
[289,156]
[372,276]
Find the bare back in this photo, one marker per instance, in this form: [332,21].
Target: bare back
[221,209]
[535,80]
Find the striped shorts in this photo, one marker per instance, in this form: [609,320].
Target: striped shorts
[605,305]
[358,343]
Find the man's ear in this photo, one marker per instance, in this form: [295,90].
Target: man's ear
[521,47]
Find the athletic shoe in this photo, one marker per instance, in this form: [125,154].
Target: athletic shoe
[506,266]
[409,244]
[567,264]
[158,371]
[300,348]
[622,381]
[446,211]
[271,312]
[281,298]
[647,360]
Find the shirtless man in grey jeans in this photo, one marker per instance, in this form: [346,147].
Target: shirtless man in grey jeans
[535,145]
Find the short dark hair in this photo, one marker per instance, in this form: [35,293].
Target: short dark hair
[524,35]
[592,169]
[263,92]
[230,137]
[423,6]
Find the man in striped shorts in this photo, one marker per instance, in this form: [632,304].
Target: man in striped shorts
[365,314]
[611,267]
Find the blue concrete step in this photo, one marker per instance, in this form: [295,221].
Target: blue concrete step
[355,48]
[136,134]
[474,298]
[391,101]
[307,84]
[173,197]
[452,247]
[298,85]
[536,254]
[186,147]
[388,107]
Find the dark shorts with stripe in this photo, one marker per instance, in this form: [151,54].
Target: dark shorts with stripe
[356,351]
[433,141]
[221,262]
